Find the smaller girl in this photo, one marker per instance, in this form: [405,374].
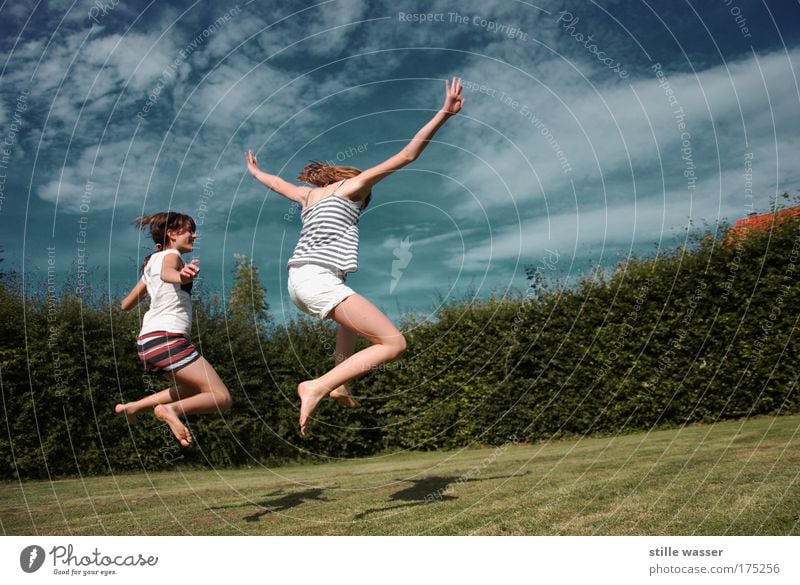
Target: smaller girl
[163,343]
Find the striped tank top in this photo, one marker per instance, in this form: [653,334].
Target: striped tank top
[330,234]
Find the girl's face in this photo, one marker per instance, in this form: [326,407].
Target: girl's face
[182,241]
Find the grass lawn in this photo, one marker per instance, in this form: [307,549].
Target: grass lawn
[734,477]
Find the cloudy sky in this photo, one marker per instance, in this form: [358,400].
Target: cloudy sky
[591,131]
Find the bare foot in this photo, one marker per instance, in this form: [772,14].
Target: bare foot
[342,396]
[126,410]
[310,396]
[179,429]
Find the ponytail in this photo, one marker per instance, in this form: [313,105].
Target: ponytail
[159,224]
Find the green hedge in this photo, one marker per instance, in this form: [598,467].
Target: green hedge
[703,333]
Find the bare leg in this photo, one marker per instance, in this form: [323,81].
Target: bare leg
[362,317]
[130,409]
[345,345]
[209,395]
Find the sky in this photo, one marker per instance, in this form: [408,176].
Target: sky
[590,132]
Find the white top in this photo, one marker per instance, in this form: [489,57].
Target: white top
[170,304]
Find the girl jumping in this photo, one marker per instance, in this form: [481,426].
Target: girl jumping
[328,250]
[163,343]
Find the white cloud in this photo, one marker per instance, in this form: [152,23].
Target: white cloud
[118,174]
[135,59]
[606,130]
[597,230]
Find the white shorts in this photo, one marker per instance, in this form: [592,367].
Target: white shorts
[317,289]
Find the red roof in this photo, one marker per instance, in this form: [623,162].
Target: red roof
[762,222]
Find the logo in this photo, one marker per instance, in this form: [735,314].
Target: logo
[402,256]
[31,558]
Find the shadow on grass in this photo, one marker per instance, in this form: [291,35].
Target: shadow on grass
[287,502]
[280,504]
[429,490]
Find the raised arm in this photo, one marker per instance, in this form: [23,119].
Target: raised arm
[452,105]
[274,182]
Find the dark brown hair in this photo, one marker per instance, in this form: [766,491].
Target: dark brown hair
[159,224]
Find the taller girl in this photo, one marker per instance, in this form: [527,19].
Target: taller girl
[163,344]
[328,250]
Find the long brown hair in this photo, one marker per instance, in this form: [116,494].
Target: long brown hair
[322,174]
[159,224]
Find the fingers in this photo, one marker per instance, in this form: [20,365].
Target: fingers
[192,269]
[453,88]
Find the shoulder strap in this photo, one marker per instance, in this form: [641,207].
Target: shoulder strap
[337,186]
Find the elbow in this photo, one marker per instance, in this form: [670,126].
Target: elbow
[408,156]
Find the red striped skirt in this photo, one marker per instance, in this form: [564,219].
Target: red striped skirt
[162,351]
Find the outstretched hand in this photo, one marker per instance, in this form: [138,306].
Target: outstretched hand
[252,163]
[189,271]
[452,96]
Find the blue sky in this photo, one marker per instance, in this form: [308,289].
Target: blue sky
[591,131]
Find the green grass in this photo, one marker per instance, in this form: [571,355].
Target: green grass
[735,477]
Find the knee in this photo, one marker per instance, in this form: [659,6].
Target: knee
[224,400]
[399,346]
